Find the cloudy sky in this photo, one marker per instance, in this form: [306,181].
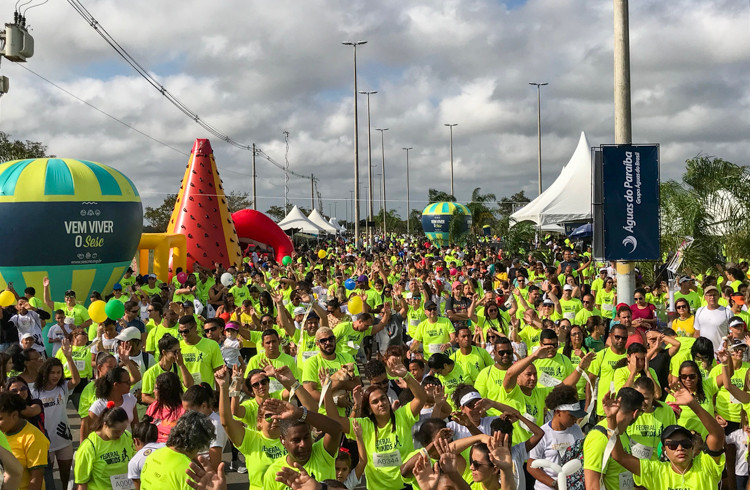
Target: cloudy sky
[254,69]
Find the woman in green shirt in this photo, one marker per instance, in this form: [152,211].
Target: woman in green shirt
[102,458]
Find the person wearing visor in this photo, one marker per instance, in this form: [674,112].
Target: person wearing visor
[683,464]
[70,307]
[415,313]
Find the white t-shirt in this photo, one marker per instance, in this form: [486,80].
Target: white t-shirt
[128,404]
[30,323]
[56,423]
[713,324]
[135,465]
[230,351]
[221,436]
[739,438]
[55,333]
[552,446]
[461,432]
[519,455]
[110,345]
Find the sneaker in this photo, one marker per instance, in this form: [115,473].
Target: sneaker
[233,465]
[241,468]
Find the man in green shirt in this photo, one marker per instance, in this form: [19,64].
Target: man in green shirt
[686,291]
[436,333]
[71,308]
[587,311]
[202,356]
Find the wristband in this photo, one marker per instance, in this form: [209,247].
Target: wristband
[304,415]
[407,376]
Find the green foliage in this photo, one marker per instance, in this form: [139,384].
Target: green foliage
[237,201]
[19,150]
[481,212]
[158,218]
[508,205]
[434,195]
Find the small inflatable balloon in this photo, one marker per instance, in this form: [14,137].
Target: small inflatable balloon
[453,271]
[97,311]
[246,260]
[322,254]
[7,298]
[287,260]
[115,309]
[182,277]
[355,305]
[227,279]
[349,284]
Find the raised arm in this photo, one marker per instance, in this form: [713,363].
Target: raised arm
[46,296]
[511,375]
[233,427]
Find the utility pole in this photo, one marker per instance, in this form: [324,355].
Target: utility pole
[623,124]
[370,196]
[255,193]
[539,86]
[451,128]
[286,172]
[384,205]
[312,192]
[408,204]
[356,144]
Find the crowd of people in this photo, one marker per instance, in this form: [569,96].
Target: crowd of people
[403,366]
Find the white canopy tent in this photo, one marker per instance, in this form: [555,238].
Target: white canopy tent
[335,223]
[569,196]
[320,221]
[296,220]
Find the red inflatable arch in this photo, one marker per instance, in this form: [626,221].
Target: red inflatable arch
[255,227]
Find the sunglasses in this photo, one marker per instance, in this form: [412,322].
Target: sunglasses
[19,390]
[266,322]
[183,332]
[689,376]
[620,337]
[685,443]
[477,464]
[268,417]
[504,353]
[638,298]
[494,310]
[325,340]
[681,307]
[210,329]
[258,384]
[550,345]
[431,309]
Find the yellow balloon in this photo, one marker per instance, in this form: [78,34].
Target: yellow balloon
[355,305]
[97,311]
[322,254]
[7,299]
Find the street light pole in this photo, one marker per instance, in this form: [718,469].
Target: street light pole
[539,86]
[408,205]
[451,128]
[384,205]
[356,144]
[369,168]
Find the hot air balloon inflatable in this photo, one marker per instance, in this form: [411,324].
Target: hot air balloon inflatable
[75,221]
[438,219]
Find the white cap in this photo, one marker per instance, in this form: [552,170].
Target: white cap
[130,333]
[300,310]
[472,395]
[69,320]
[567,287]
[27,336]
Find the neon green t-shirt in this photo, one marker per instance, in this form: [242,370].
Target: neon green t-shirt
[606,301]
[81,357]
[478,358]
[348,339]
[321,466]
[489,382]
[202,359]
[552,371]
[432,335]
[102,464]
[260,452]
[88,397]
[457,376]
[645,431]
[283,360]
[570,307]
[79,313]
[688,418]
[603,366]
[704,474]
[165,468]
[530,336]
[615,476]
[727,405]
[312,367]
[621,377]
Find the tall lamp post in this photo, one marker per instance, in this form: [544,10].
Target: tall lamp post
[356,144]
[384,205]
[369,168]
[451,128]
[408,205]
[539,86]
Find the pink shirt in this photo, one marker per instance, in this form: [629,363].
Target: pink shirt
[164,418]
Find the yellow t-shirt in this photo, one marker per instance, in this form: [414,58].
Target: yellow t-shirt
[260,452]
[102,464]
[603,366]
[684,328]
[321,466]
[165,468]
[615,476]
[30,447]
[645,431]
[478,358]
[432,335]
[202,359]
[704,474]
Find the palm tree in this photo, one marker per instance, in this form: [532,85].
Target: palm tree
[481,213]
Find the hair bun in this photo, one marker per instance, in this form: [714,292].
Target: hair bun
[110,404]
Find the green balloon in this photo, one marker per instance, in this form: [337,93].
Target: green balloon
[286,260]
[114,309]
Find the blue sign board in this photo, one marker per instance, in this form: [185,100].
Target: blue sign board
[630,178]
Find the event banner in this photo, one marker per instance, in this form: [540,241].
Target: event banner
[630,204]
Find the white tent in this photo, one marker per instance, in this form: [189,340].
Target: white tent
[569,196]
[296,220]
[335,223]
[320,221]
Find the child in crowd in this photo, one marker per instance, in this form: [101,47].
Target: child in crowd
[230,347]
[60,330]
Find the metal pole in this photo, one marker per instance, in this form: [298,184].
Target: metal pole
[384,204]
[408,204]
[539,86]
[356,145]
[286,172]
[451,128]
[312,192]
[623,125]
[369,169]
[255,194]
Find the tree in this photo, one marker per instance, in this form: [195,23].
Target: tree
[276,212]
[394,223]
[237,201]
[481,213]
[508,205]
[434,195]
[158,218]
[19,150]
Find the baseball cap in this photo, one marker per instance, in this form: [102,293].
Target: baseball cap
[71,293]
[574,409]
[362,278]
[709,289]
[130,333]
[456,284]
[685,279]
[27,336]
[603,269]
[151,276]
[339,274]
[231,326]
[188,304]
[548,302]
[300,310]
[738,298]
[567,287]
[117,287]
[429,304]
[737,343]
[163,286]
[675,429]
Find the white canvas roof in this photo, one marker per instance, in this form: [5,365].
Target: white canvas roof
[320,221]
[296,220]
[569,196]
[335,223]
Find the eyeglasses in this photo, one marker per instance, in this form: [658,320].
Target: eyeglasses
[477,464]
[685,443]
[150,310]
[620,337]
[325,340]
[682,307]
[585,301]
[184,332]
[210,329]
[691,377]
[258,384]
[504,353]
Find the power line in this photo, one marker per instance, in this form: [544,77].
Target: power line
[91,20]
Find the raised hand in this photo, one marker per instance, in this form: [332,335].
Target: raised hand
[285,376]
[610,404]
[45,281]
[200,479]
[633,364]
[357,394]
[424,472]
[125,350]
[357,428]
[586,360]
[682,396]
[297,478]
[282,410]
[396,368]
[222,376]
[67,349]
[499,446]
